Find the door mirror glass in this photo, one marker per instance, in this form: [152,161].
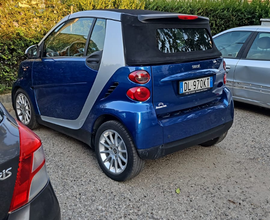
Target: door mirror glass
[32,52]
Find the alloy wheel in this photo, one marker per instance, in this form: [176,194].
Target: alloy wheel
[113,151]
[23,108]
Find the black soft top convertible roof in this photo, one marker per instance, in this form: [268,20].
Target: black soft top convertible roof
[139,35]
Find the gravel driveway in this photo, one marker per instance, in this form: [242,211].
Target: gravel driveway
[228,181]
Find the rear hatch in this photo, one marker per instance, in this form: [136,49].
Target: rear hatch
[187,68]
[9,159]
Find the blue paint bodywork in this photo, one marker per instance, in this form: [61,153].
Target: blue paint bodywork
[61,86]
[149,127]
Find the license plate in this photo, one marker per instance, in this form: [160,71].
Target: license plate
[195,85]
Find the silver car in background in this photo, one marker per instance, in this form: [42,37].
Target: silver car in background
[247,55]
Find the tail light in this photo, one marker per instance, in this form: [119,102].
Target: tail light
[32,175]
[225,78]
[225,75]
[187,17]
[139,76]
[139,93]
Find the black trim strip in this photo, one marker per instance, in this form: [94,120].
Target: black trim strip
[89,36]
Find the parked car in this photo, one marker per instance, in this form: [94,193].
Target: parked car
[133,84]
[247,54]
[26,192]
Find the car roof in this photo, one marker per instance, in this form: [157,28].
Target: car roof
[263,28]
[115,14]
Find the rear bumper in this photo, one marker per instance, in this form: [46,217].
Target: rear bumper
[165,149]
[44,206]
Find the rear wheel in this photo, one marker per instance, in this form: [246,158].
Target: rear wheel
[116,152]
[214,141]
[24,109]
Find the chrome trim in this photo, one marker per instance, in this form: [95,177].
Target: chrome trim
[112,59]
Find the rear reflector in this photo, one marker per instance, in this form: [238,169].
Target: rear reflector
[225,78]
[141,94]
[31,167]
[225,75]
[187,17]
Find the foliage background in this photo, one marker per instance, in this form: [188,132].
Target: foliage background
[21,27]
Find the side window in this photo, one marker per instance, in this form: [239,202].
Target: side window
[229,44]
[68,39]
[260,49]
[97,37]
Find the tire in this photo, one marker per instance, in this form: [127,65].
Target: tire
[116,153]
[24,109]
[214,141]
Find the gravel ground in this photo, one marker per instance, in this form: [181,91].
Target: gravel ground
[228,181]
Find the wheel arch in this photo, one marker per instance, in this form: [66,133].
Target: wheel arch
[13,92]
[102,119]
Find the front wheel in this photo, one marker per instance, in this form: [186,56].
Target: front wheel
[214,141]
[116,153]
[24,109]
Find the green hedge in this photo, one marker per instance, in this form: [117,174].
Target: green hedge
[21,27]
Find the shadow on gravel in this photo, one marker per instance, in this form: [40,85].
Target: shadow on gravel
[252,108]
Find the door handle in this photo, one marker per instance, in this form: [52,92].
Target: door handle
[228,69]
[93,60]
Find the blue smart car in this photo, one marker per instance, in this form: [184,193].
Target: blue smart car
[132,84]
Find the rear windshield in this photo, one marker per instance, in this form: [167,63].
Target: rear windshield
[173,40]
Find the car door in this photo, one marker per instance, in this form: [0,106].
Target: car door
[63,77]
[252,74]
[230,44]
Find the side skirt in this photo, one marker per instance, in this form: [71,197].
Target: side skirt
[80,134]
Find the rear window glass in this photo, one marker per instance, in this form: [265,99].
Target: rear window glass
[173,40]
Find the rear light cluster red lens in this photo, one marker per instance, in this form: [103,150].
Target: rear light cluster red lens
[139,93]
[139,76]
[187,17]
[225,75]
[32,160]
